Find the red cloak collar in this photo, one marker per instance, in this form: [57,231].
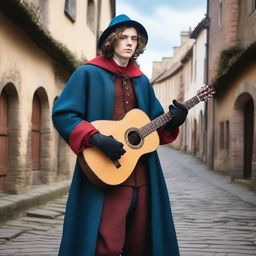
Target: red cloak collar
[109,64]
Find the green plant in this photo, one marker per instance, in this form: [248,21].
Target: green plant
[227,58]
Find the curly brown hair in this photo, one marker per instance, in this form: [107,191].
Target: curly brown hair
[107,48]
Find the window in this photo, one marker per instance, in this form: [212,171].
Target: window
[224,135]
[251,6]
[205,72]
[91,18]
[222,132]
[70,9]
[220,13]
[227,134]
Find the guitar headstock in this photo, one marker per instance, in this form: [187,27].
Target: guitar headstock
[206,92]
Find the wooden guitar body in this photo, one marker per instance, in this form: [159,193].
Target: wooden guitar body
[100,169]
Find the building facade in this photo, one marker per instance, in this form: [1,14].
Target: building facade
[180,77]
[231,129]
[222,131]
[41,43]
[171,76]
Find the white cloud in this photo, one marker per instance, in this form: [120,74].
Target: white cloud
[163,27]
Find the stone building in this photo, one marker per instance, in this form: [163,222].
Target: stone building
[231,138]
[180,77]
[41,43]
[222,131]
[195,131]
[170,78]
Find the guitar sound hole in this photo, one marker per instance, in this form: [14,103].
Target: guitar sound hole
[134,138]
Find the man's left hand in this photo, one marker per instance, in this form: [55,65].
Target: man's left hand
[179,114]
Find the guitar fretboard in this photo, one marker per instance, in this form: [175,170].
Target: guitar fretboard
[165,118]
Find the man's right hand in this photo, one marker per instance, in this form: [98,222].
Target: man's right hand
[111,147]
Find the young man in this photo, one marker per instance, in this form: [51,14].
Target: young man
[133,218]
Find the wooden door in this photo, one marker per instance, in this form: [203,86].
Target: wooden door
[248,138]
[194,138]
[3,140]
[35,133]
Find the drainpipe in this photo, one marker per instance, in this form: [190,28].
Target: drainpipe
[211,162]
[206,81]
[98,25]
[210,106]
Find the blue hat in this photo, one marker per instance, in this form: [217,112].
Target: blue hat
[121,20]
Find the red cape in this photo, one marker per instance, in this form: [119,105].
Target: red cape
[109,64]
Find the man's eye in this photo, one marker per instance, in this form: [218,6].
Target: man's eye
[135,38]
[122,37]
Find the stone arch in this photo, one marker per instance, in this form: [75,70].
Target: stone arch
[42,175]
[15,176]
[245,93]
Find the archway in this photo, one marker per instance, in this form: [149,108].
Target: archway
[242,135]
[40,137]
[248,138]
[10,166]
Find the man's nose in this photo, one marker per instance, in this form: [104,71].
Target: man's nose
[129,41]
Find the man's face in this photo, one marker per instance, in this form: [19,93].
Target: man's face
[126,44]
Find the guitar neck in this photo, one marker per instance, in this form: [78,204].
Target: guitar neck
[165,118]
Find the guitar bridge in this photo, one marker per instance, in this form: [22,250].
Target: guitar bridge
[117,164]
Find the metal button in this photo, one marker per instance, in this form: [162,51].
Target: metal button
[126,88]
[128,94]
[124,82]
[126,102]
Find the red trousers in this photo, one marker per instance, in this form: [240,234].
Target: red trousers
[125,228]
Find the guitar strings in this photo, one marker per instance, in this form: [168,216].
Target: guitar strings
[134,137]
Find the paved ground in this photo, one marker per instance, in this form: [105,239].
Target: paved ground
[213,217]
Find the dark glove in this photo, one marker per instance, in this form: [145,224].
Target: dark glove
[179,113]
[111,147]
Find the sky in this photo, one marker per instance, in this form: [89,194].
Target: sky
[164,20]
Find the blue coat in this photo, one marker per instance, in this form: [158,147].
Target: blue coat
[89,95]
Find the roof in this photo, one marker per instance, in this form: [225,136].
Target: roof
[203,24]
[175,66]
[26,16]
[167,72]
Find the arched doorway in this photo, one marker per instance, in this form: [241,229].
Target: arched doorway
[41,140]
[248,138]
[10,164]
[35,138]
[242,137]
[194,138]
[201,135]
[3,140]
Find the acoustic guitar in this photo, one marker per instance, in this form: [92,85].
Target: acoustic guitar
[139,136]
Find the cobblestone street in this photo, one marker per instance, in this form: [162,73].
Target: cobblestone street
[213,217]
